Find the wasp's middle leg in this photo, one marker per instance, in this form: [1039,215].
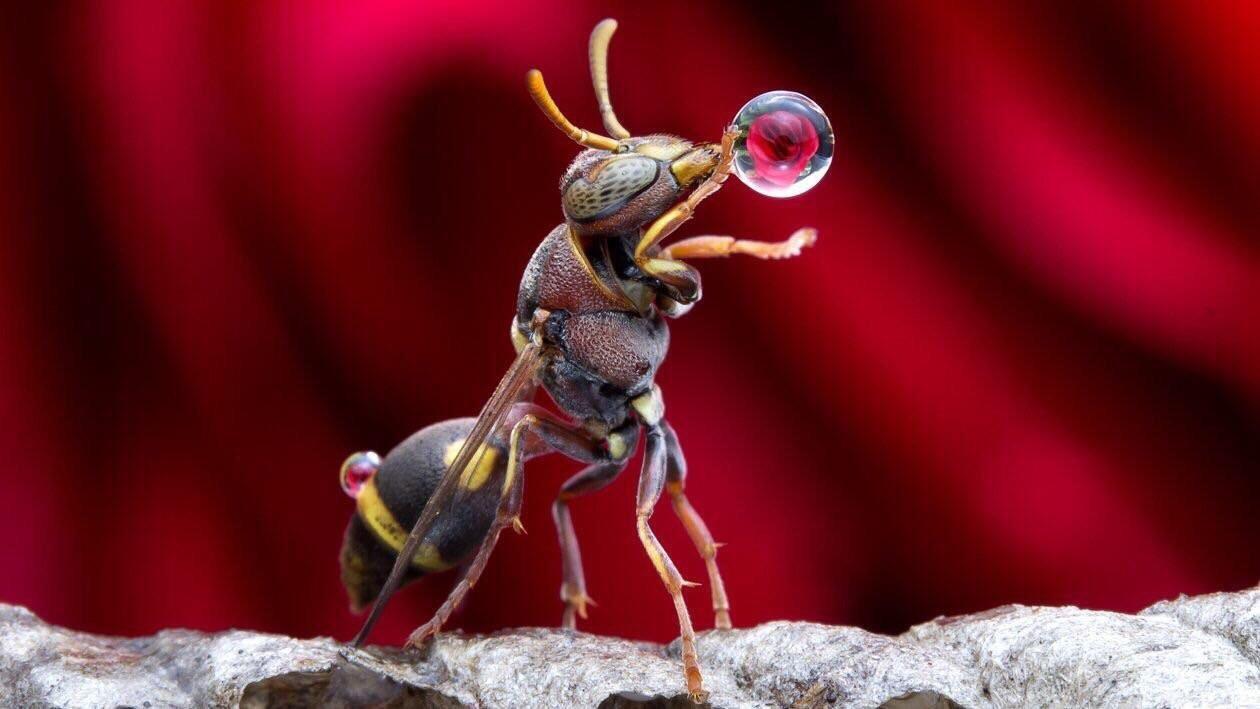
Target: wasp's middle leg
[675,480]
[573,588]
[651,485]
[609,455]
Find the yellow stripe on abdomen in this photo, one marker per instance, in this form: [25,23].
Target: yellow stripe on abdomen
[479,466]
[381,521]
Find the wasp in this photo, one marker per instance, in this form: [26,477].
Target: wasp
[590,328]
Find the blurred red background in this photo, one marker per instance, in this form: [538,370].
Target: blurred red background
[242,239]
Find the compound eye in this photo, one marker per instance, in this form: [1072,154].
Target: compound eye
[785,144]
[358,469]
[617,181]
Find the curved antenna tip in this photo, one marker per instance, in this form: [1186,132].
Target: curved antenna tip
[598,55]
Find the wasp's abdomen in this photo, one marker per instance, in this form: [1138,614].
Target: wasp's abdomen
[390,504]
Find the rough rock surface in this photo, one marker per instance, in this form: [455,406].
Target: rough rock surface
[1201,651]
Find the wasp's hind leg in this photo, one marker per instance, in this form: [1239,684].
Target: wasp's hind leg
[506,516]
[675,480]
[651,484]
[535,430]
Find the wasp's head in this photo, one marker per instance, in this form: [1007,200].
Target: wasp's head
[606,192]
[780,144]
[621,182]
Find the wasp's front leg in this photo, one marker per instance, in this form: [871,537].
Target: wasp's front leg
[724,246]
[680,281]
[721,247]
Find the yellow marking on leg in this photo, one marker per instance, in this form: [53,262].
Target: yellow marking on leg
[519,340]
[617,448]
[661,228]
[660,265]
[674,584]
[665,224]
[515,445]
[650,406]
[652,547]
[479,467]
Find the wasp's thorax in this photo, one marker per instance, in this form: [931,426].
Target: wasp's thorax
[606,192]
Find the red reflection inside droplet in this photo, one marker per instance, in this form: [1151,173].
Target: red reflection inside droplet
[357,471]
[781,144]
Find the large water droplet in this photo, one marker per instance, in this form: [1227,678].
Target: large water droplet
[785,144]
